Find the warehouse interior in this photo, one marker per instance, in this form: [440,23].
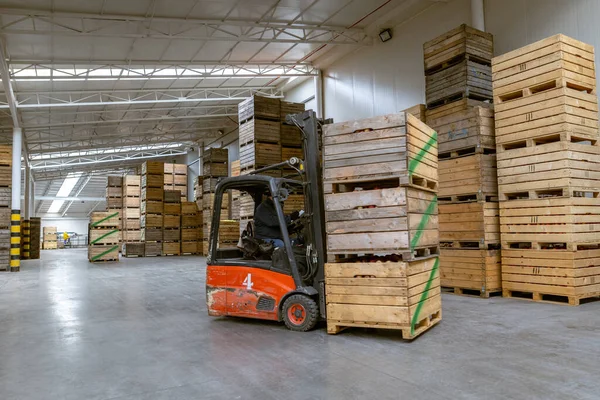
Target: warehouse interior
[110,108]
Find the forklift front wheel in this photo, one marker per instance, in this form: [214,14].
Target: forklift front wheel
[300,313]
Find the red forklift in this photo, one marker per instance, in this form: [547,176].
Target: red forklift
[256,279]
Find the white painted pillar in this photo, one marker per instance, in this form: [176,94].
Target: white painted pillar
[318,80]
[15,216]
[477,15]
[27,202]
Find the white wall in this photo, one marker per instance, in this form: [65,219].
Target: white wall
[78,225]
[303,93]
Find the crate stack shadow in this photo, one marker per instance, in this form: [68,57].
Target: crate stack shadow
[380,182]
[132,234]
[458,96]
[104,236]
[152,195]
[546,112]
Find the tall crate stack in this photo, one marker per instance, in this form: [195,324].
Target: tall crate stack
[35,229]
[104,236]
[459,83]
[171,223]
[25,240]
[114,198]
[215,166]
[5,210]
[190,228]
[260,143]
[131,208]
[380,181]
[234,210]
[548,170]
[176,179]
[291,146]
[50,238]
[151,209]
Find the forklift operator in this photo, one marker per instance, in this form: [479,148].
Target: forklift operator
[266,223]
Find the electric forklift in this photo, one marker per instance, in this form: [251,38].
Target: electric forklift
[256,279]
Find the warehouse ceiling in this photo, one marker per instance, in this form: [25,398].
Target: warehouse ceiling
[100,85]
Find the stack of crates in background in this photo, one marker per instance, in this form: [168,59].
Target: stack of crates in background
[35,230]
[229,235]
[418,111]
[548,170]
[151,209]
[380,180]
[215,166]
[291,136]
[5,166]
[114,196]
[25,240]
[234,210]
[458,78]
[50,238]
[104,236]
[175,178]
[5,211]
[171,223]
[131,208]
[190,228]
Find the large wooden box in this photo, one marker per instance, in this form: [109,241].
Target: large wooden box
[392,295]
[133,249]
[103,253]
[171,235]
[468,178]
[171,249]
[133,235]
[172,208]
[131,191]
[469,225]
[208,201]
[152,193]
[151,220]
[106,219]
[104,236]
[115,181]
[152,249]
[171,221]
[172,196]
[260,131]
[132,223]
[468,269]
[192,247]
[152,181]
[215,155]
[132,180]
[151,207]
[152,234]
[190,234]
[259,107]
[189,207]
[131,202]
[215,169]
[153,168]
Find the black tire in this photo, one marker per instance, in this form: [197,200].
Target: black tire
[300,313]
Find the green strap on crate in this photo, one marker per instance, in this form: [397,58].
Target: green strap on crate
[103,236]
[423,223]
[419,157]
[105,253]
[424,295]
[106,218]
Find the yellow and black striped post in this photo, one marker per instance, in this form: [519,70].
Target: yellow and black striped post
[15,240]
[26,239]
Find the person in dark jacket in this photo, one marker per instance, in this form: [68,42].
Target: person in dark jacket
[266,223]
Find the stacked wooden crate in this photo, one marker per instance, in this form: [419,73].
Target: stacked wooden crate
[35,229]
[114,198]
[215,166]
[190,228]
[291,135]
[175,178]
[171,223]
[234,209]
[104,236]
[468,191]
[151,209]
[131,209]
[380,182]
[25,239]
[457,66]
[5,166]
[50,238]
[548,170]
[418,111]
[5,211]
[229,235]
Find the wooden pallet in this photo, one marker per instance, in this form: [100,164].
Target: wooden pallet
[469,225]
[393,295]
[558,61]
[551,275]
[469,77]
[391,146]
[465,176]
[470,292]
[550,223]
[464,130]
[463,40]
[471,271]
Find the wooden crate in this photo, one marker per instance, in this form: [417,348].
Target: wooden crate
[471,272]
[106,219]
[131,223]
[172,196]
[132,180]
[401,220]
[151,207]
[152,234]
[133,249]
[260,131]
[6,155]
[457,44]
[171,221]
[132,235]
[190,234]
[209,184]
[5,213]
[418,111]
[208,201]
[557,61]
[246,206]
[289,152]
[568,223]
[102,236]
[215,169]
[151,220]
[468,178]
[192,247]
[180,180]
[182,189]
[49,245]
[391,295]
[152,181]
[180,169]
[229,231]
[5,196]
[465,80]
[152,194]
[168,180]
[171,235]
[114,181]
[474,225]
[391,146]
[259,107]
[235,168]
[214,155]
[553,169]
[168,168]
[291,136]
[103,253]
[464,132]
[451,108]
[560,276]
[131,202]
[190,220]
[114,202]
[287,107]
[559,114]
[113,191]
[153,168]
[234,211]
[172,208]
[258,155]
[189,207]
[153,249]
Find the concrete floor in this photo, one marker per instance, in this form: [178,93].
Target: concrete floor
[139,330]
